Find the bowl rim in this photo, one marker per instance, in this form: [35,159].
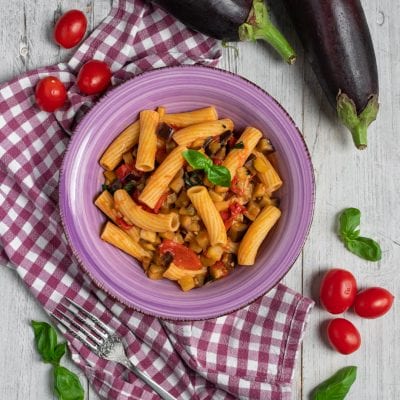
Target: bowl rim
[104,97]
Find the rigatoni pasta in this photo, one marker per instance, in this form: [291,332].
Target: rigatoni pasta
[186,136]
[162,177]
[184,119]
[188,196]
[237,157]
[256,233]
[146,152]
[124,142]
[209,214]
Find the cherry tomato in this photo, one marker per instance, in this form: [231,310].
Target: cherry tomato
[94,77]
[343,336]
[373,302]
[70,29]
[338,290]
[50,93]
[183,256]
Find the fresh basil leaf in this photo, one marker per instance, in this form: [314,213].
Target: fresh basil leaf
[196,159]
[219,175]
[349,223]
[238,145]
[46,342]
[67,385]
[59,351]
[337,386]
[365,248]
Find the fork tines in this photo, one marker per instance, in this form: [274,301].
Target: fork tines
[81,324]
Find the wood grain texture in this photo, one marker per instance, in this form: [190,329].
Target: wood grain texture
[369,180]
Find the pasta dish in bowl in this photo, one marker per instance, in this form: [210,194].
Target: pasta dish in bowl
[201,179]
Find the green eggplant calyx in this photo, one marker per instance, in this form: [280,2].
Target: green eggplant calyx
[357,123]
[259,26]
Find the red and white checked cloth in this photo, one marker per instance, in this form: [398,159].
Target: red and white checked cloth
[248,354]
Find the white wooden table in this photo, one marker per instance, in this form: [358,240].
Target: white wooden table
[369,180]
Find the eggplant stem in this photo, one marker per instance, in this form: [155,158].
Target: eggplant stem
[357,123]
[259,26]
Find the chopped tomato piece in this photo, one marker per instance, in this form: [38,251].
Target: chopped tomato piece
[160,202]
[228,216]
[236,208]
[235,187]
[123,224]
[225,215]
[232,141]
[217,161]
[123,171]
[135,196]
[218,270]
[183,256]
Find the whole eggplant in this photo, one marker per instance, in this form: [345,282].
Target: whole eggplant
[338,44]
[230,21]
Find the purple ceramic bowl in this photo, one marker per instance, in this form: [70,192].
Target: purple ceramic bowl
[180,89]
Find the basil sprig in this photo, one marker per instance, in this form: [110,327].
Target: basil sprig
[337,386]
[349,230]
[66,384]
[217,174]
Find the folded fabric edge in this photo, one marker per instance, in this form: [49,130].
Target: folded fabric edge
[295,337]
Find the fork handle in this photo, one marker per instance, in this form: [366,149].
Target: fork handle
[144,377]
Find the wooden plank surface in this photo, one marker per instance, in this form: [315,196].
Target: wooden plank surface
[345,177]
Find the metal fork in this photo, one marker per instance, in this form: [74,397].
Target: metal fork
[101,339]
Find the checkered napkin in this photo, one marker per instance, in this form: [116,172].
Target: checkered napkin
[247,354]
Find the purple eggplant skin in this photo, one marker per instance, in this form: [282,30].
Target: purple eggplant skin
[230,21]
[338,45]
[219,19]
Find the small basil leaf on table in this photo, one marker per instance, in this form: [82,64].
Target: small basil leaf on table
[219,175]
[365,248]
[196,159]
[349,223]
[67,385]
[46,341]
[337,386]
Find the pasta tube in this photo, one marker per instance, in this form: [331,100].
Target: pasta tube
[105,203]
[143,219]
[188,135]
[256,233]
[184,119]
[119,238]
[236,158]
[266,173]
[175,273]
[125,141]
[146,153]
[161,178]
[207,211]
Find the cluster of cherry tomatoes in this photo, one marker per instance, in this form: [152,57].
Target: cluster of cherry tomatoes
[338,293]
[94,76]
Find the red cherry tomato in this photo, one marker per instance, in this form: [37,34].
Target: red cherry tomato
[50,93]
[183,256]
[338,290]
[343,336]
[70,29]
[373,302]
[94,77]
